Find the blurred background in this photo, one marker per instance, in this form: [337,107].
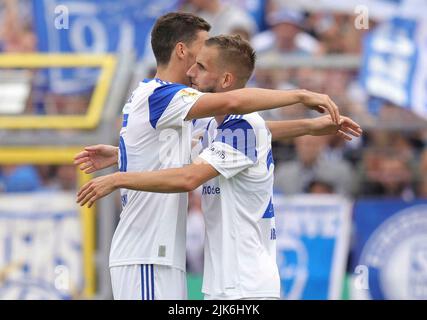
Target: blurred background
[351,216]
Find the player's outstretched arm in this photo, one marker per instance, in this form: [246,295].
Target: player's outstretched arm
[248,100]
[183,179]
[316,127]
[96,157]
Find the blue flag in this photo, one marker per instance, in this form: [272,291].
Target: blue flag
[94,26]
[394,65]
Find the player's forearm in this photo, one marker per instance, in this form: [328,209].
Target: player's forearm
[250,100]
[116,155]
[243,101]
[111,156]
[289,128]
[162,181]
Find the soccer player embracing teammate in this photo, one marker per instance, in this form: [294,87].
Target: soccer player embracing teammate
[235,167]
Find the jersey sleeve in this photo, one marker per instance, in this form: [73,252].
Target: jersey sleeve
[234,148]
[170,104]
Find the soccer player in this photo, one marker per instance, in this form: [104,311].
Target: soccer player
[240,247]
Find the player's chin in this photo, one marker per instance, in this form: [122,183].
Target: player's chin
[195,86]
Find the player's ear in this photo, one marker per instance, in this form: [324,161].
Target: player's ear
[180,50]
[227,80]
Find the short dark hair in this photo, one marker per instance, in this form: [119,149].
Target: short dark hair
[234,50]
[172,28]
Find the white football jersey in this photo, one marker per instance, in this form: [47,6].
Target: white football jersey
[154,136]
[240,243]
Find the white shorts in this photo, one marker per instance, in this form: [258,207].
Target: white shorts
[148,282]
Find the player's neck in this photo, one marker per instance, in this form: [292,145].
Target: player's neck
[169,75]
[219,119]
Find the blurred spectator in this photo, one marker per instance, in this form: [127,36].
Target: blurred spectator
[195,233]
[17,36]
[47,175]
[386,174]
[68,104]
[256,8]
[19,179]
[298,175]
[225,18]
[423,162]
[22,40]
[422,175]
[286,35]
[16,32]
[66,177]
[340,149]
[30,178]
[336,32]
[320,187]
[422,188]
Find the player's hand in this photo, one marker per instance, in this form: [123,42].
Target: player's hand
[97,157]
[320,103]
[96,189]
[325,126]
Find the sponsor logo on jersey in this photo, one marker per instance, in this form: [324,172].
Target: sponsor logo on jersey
[217,152]
[211,190]
[124,199]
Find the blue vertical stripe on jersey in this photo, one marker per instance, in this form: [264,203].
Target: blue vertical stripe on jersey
[270,159]
[125,120]
[123,156]
[121,153]
[160,99]
[269,212]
